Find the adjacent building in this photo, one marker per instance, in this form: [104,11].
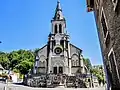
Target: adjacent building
[107,16]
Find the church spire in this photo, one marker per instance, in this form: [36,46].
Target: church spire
[58,12]
[58,6]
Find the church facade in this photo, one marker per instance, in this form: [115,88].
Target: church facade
[58,62]
[59,56]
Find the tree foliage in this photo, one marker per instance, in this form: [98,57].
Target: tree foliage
[4,60]
[87,63]
[19,61]
[99,73]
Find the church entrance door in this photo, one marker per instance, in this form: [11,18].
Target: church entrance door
[61,70]
[55,70]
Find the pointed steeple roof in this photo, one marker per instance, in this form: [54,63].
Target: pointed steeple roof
[58,6]
[58,12]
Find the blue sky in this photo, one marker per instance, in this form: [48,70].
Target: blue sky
[25,24]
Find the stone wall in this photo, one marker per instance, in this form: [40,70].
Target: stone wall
[112,19]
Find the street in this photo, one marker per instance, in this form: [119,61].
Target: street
[21,87]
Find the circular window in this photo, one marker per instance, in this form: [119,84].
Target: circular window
[58,50]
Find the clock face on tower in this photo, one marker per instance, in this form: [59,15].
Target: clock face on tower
[58,50]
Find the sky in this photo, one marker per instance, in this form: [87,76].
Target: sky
[25,24]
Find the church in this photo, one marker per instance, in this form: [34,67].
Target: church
[58,56]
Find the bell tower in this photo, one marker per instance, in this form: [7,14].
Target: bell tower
[58,21]
[58,43]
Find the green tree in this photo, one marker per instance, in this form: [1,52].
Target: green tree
[14,59]
[36,50]
[87,63]
[19,61]
[4,61]
[98,72]
[24,67]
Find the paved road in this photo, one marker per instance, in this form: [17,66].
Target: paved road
[21,87]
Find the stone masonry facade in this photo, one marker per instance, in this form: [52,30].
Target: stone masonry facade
[107,16]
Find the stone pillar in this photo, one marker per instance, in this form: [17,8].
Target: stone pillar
[36,64]
[64,47]
[69,58]
[53,25]
[82,65]
[49,59]
[57,28]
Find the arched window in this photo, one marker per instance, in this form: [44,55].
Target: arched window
[42,62]
[77,62]
[60,28]
[55,28]
[73,63]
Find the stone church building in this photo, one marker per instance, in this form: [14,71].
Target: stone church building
[58,61]
[59,56]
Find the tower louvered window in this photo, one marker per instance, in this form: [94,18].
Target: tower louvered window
[60,28]
[55,28]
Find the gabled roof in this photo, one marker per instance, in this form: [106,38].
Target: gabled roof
[76,47]
[41,48]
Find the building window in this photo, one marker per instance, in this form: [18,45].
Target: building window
[113,64]
[115,2]
[77,62]
[107,40]
[106,34]
[42,64]
[61,70]
[60,28]
[55,28]
[73,63]
[104,25]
